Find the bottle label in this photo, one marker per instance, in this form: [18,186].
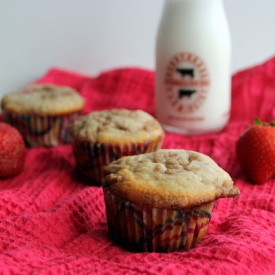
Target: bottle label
[187,82]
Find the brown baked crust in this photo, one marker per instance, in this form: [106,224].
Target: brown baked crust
[43,100]
[169,179]
[117,126]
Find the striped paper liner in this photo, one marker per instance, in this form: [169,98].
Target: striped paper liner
[92,157]
[141,228]
[42,130]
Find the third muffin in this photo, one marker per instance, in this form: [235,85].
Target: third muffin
[42,112]
[101,137]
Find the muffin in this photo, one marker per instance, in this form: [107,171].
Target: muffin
[104,136]
[163,201]
[42,113]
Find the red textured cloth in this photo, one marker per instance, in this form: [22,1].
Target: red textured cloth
[52,222]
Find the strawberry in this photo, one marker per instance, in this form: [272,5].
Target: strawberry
[12,151]
[256,151]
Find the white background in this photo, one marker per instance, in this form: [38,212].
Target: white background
[91,36]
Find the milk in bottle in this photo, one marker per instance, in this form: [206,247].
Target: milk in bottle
[193,75]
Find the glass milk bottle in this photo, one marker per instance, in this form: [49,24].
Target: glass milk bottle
[193,74]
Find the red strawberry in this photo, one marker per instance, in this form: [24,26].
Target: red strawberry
[256,151]
[12,151]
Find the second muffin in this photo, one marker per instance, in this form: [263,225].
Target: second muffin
[104,136]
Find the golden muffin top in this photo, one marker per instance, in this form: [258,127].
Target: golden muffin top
[117,126]
[43,99]
[168,179]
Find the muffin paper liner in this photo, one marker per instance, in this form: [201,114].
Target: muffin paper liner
[42,130]
[92,157]
[142,228]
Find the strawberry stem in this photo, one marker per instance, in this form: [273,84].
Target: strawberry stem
[257,121]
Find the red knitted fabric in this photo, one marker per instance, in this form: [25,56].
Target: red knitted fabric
[53,222]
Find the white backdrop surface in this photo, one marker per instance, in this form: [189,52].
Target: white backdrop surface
[90,36]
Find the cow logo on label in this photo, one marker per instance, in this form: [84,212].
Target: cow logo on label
[186,82]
